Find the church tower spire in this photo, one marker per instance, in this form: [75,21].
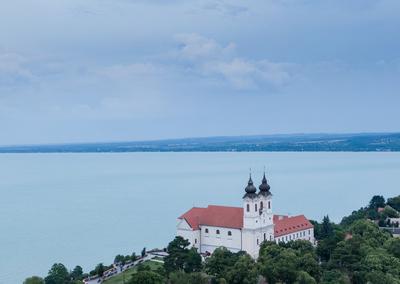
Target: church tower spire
[250,189]
[264,186]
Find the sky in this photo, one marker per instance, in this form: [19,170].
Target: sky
[120,70]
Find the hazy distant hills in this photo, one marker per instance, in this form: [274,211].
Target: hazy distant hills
[291,142]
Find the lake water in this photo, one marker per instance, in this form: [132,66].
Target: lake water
[86,208]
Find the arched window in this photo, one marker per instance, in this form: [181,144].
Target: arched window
[261,205]
[265,236]
[257,242]
[248,207]
[255,207]
[269,204]
[217,232]
[229,233]
[270,237]
[206,231]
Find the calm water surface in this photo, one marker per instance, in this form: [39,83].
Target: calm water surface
[86,208]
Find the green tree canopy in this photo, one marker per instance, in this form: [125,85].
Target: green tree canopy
[244,271]
[58,274]
[77,273]
[377,201]
[181,257]
[34,280]
[394,202]
[146,277]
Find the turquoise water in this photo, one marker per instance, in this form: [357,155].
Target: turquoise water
[86,208]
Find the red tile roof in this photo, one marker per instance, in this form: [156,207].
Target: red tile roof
[217,216]
[286,225]
[232,217]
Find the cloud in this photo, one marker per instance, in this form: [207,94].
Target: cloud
[225,8]
[194,46]
[244,74]
[207,57]
[121,71]
[13,70]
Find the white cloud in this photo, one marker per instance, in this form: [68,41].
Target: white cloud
[225,7]
[194,46]
[210,58]
[13,70]
[131,70]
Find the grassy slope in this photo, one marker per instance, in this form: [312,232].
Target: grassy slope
[119,279]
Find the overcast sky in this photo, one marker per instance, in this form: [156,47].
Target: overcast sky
[112,70]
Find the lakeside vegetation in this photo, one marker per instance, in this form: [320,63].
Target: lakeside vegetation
[352,142]
[357,250]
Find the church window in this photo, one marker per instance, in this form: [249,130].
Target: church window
[269,204]
[261,205]
[265,236]
[217,232]
[206,231]
[248,207]
[270,237]
[255,207]
[195,241]
[257,242]
[229,233]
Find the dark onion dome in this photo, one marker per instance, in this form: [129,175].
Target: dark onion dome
[264,187]
[250,189]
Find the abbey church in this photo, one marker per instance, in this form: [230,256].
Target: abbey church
[242,228]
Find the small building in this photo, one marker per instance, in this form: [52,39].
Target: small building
[242,228]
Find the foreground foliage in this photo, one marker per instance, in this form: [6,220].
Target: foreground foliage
[356,251]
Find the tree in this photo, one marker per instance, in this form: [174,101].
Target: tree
[34,280]
[243,271]
[278,263]
[180,257]
[193,261]
[219,262]
[77,273]
[334,277]
[390,212]
[376,202]
[305,278]
[58,274]
[326,228]
[326,246]
[393,247]
[119,259]
[99,270]
[394,202]
[146,277]
[180,277]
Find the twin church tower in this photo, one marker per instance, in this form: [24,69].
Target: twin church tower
[242,228]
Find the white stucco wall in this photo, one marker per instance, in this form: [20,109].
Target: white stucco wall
[307,235]
[211,240]
[185,231]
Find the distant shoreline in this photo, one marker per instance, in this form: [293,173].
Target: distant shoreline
[357,142]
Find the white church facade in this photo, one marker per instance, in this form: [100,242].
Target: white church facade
[242,228]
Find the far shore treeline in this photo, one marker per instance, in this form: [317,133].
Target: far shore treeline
[353,142]
[360,249]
